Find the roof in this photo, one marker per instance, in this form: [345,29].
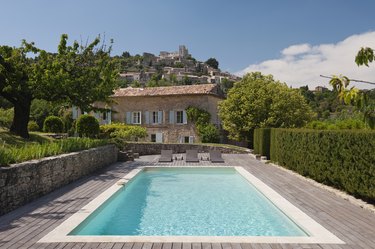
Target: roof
[203,89]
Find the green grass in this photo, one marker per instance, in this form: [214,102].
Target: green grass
[14,149]
[8,140]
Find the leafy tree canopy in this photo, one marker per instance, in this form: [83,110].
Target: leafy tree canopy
[212,62]
[77,75]
[258,101]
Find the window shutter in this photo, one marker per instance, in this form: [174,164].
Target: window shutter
[171,117]
[160,117]
[159,137]
[147,117]
[181,140]
[109,117]
[97,115]
[128,118]
[140,117]
[74,112]
[191,139]
[184,117]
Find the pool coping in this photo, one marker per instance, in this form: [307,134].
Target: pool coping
[317,233]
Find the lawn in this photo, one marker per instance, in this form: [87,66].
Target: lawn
[14,149]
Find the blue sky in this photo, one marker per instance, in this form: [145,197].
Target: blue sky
[240,33]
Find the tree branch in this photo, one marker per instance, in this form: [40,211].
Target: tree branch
[360,81]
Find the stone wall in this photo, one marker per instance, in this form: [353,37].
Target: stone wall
[24,182]
[171,132]
[155,148]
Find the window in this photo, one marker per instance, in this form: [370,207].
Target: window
[179,117]
[155,117]
[104,116]
[186,140]
[153,138]
[136,118]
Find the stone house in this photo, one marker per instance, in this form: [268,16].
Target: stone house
[162,110]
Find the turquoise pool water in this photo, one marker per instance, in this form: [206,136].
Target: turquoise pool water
[188,202]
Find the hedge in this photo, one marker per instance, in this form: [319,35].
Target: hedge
[344,159]
[262,138]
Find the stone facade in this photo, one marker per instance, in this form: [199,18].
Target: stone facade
[24,182]
[155,148]
[168,105]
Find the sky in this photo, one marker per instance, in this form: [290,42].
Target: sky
[295,40]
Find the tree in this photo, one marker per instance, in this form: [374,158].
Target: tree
[18,84]
[212,62]
[77,75]
[363,100]
[364,56]
[258,101]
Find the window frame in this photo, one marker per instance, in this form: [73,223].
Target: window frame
[136,116]
[182,117]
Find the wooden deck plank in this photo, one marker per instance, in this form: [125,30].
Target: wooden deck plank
[167,246]
[23,227]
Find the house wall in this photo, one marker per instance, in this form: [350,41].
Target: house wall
[172,133]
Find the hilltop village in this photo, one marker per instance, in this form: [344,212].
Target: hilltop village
[171,68]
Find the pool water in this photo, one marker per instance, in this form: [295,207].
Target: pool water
[188,202]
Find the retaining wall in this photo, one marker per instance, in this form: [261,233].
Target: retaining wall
[24,182]
[155,148]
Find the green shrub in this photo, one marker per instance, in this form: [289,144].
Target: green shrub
[53,124]
[209,134]
[107,129]
[262,139]
[6,117]
[348,124]
[130,133]
[33,126]
[36,151]
[87,126]
[344,159]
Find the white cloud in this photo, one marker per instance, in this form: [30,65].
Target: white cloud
[296,49]
[302,64]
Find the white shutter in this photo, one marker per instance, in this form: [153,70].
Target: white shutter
[159,137]
[147,117]
[171,117]
[74,112]
[184,117]
[128,118]
[181,140]
[97,115]
[191,139]
[160,117]
[140,117]
[109,117]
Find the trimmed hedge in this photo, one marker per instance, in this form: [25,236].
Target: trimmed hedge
[262,139]
[87,126]
[343,159]
[53,124]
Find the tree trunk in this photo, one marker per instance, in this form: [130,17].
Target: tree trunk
[21,117]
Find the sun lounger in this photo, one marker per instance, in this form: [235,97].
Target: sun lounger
[166,156]
[192,156]
[215,156]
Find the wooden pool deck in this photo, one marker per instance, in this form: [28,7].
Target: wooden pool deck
[24,227]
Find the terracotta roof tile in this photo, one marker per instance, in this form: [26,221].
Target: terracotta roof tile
[210,89]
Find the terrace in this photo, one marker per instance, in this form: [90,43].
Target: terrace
[24,227]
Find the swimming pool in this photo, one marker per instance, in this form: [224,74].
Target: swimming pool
[189,204]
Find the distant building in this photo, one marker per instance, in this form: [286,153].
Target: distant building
[320,89]
[183,52]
